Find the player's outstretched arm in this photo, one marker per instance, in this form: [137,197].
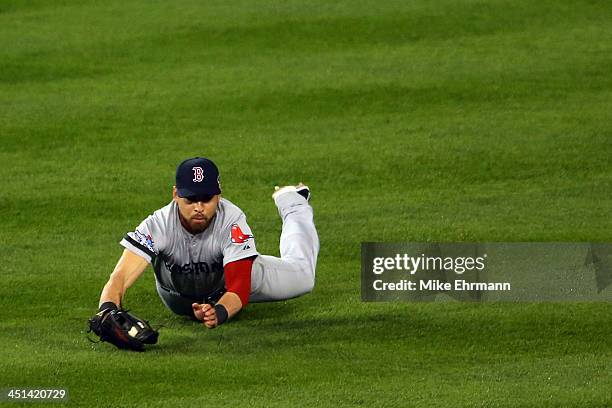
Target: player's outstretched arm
[127,271]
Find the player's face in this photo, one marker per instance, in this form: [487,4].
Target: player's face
[196,213]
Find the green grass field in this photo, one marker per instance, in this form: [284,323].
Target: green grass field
[411,121]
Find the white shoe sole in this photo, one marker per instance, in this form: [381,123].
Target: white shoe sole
[285,189]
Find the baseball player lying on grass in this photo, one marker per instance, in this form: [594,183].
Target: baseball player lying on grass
[204,257]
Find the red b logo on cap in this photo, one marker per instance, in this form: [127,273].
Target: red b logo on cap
[198,174]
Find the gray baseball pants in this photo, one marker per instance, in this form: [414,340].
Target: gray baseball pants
[293,274]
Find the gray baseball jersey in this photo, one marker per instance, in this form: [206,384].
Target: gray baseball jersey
[192,265]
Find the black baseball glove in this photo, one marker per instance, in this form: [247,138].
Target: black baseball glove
[122,329]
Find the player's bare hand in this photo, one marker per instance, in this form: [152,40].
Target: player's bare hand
[206,314]
[197,311]
[210,316]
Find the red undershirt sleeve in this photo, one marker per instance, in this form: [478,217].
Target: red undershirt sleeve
[238,278]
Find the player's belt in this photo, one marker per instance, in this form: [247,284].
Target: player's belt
[214,297]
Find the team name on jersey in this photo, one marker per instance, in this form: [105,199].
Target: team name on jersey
[193,268]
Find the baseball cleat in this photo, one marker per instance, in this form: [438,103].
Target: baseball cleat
[301,189]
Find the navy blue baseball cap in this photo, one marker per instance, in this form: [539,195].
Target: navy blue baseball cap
[197,177]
